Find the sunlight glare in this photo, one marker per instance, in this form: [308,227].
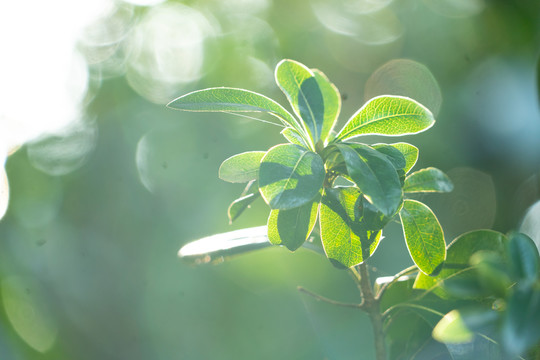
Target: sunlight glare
[406,78]
[167,51]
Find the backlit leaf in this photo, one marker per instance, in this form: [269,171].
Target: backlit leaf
[332,104]
[423,236]
[224,99]
[312,96]
[393,154]
[216,248]
[374,175]
[428,180]
[409,152]
[290,176]
[350,226]
[294,137]
[242,167]
[238,206]
[388,115]
[220,247]
[292,227]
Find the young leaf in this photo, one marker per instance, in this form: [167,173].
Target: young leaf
[313,97]
[423,235]
[292,227]
[524,257]
[238,206]
[242,167]
[374,175]
[223,99]
[458,256]
[290,176]
[332,104]
[410,153]
[428,180]
[388,115]
[346,238]
[294,137]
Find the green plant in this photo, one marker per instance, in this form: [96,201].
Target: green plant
[351,190]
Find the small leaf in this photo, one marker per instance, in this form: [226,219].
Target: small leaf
[238,206]
[294,137]
[388,115]
[350,226]
[292,227]
[458,255]
[332,104]
[524,257]
[299,85]
[290,176]
[410,153]
[374,175]
[452,329]
[428,180]
[242,167]
[393,154]
[315,100]
[223,99]
[423,235]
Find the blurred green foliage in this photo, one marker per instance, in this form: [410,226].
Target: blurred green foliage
[92,252]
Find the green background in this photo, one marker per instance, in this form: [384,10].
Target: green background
[94,250]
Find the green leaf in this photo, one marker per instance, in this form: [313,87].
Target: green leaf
[428,180]
[294,137]
[231,100]
[393,154]
[249,195]
[523,257]
[388,115]
[452,329]
[409,152]
[290,176]
[458,255]
[242,167]
[350,226]
[423,235]
[313,97]
[520,327]
[216,248]
[332,104]
[292,227]
[374,175]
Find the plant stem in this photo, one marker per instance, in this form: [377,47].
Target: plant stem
[370,304]
[325,299]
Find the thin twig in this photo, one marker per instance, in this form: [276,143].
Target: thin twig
[327,300]
[396,277]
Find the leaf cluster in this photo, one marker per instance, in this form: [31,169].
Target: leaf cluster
[299,178]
